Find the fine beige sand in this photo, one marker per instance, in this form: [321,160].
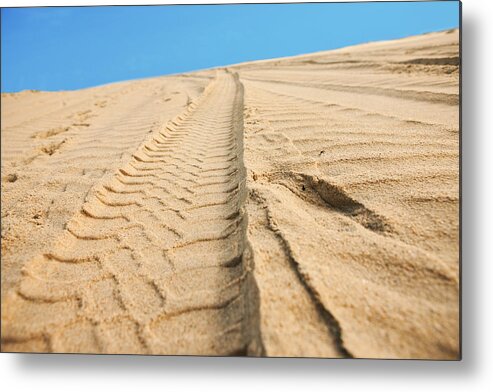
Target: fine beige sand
[304,206]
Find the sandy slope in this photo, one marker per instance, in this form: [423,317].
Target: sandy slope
[305,206]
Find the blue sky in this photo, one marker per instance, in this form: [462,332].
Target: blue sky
[65,48]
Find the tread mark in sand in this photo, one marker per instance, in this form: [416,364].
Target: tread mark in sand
[156,261]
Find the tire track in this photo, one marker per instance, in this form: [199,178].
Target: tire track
[137,270]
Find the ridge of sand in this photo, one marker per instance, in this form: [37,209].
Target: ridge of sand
[304,206]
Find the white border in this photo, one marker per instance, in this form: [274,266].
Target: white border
[120,374]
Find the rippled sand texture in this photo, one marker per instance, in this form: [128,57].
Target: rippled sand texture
[304,206]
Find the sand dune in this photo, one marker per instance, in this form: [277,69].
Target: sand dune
[303,206]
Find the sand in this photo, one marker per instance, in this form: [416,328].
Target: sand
[304,206]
